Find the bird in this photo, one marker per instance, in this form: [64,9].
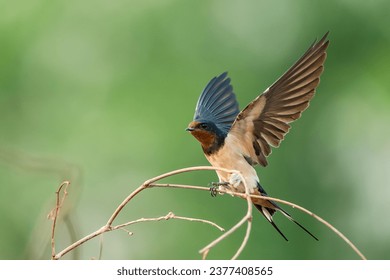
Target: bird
[240,140]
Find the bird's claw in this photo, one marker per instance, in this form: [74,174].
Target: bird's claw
[215,185]
[214,191]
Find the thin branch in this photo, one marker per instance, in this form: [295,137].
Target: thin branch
[167,217]
[81,241]
[106,228]
[207,248]
[37,243]
[247,218]
[318,218]
[55,212]
[147,183]
[293,205]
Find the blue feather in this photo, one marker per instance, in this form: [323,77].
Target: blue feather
[218,104]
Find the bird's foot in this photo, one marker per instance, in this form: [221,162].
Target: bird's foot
[213,191]
[215,185]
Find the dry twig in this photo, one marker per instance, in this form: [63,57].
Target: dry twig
[56,211]
[108,226]
[167,217]
[247,218]
[293,205]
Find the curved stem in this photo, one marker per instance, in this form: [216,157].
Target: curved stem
[293,205]
[247,218]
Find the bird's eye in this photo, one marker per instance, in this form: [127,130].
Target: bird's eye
[204,126]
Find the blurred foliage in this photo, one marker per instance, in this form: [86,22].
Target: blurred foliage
[100,92]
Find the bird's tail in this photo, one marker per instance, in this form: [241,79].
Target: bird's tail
[269,212]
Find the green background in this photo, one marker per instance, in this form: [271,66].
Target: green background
[100,92]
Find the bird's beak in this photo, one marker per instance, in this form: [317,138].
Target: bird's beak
[190,129]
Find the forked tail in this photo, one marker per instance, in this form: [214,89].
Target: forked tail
[269,212]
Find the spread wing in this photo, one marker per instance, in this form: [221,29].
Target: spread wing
[217,104]
[265,121]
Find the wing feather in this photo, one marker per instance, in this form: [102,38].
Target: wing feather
[217,104]
[265,121]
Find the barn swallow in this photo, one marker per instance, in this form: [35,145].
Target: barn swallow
[240,140]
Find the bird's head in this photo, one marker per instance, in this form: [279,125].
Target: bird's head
[204,132]
[207,133]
